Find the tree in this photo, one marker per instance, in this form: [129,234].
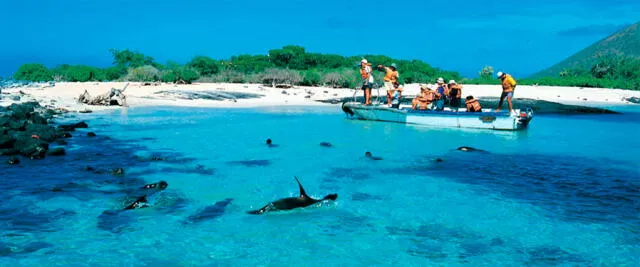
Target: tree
[130,59]
[486,72]
[33,72]
[205,65]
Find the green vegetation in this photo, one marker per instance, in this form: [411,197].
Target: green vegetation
[289,65]
[33,72]
[613,62]
[625,43]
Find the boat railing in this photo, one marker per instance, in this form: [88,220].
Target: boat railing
[359,87]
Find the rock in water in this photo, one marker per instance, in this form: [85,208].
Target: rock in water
[31,147]
[635,100]
[58,151]
[91,134]
[117,172]
[13,161]
[72,127]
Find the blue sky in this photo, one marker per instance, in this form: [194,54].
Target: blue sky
[520,37]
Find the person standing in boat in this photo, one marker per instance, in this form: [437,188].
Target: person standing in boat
[367,80]
[441,93]
[455,94]
[391,76]
[508,86]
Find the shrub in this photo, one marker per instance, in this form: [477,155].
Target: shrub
[311,78]
[332,79]
[114,73]
[205,65]
[180,74]
[169,76]
[78,73]
[188,75]
[143,74]
[33,72]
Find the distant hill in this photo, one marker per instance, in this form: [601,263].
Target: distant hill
[625,42]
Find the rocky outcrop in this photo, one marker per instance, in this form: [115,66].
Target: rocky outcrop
[25,130]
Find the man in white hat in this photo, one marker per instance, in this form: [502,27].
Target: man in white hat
[441,93]
[367,80]
[508,86]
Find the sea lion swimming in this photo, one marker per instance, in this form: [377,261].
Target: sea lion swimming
[370,156]
[270,143]
[325,144]
[142,202]
[290,203]
[469,149]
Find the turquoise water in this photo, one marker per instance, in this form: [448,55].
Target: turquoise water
[564,192]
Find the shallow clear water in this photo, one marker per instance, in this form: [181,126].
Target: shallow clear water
[564,192]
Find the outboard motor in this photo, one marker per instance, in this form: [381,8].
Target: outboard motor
[525,116]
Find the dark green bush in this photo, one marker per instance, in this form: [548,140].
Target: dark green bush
[33,72]
[206,66]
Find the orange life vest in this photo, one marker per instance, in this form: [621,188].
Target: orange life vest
[473,105]
[391,76]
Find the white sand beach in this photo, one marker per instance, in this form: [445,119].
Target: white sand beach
[65,94]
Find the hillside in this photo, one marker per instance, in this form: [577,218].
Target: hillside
[625,42]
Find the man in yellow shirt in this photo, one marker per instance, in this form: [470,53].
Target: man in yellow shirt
[508,86]
[391,76]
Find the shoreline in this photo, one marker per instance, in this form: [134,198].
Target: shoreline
[65,95]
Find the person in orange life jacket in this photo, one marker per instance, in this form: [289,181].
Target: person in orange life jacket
[391,76]
[508,86]
[473,105]
[441,93]
[455,93]
[424,99]
[367,80]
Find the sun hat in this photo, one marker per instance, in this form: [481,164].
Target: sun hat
[394,65]
[364,61]
[500,74]
[452,82]
[440,80]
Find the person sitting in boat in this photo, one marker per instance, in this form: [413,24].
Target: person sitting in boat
[367,80]
[440,94]
[391,76]
[396,94]
[473,105]
[424,99]
[455,93]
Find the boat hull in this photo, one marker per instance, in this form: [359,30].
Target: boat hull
[446,118]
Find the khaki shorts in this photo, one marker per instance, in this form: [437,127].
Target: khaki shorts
[388,86]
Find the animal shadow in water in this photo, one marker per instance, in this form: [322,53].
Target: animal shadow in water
[427,241]
[210,212]
[574,188]
[251,163]
[338,173]
[8,249]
